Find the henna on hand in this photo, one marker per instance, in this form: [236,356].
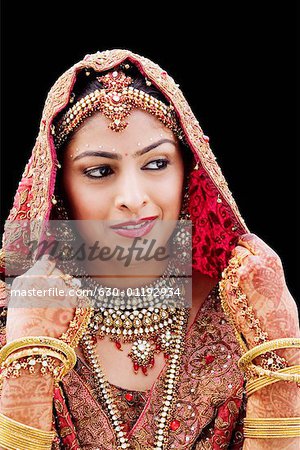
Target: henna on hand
[28,399]
[262,280]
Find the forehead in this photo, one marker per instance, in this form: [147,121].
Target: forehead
[142,127]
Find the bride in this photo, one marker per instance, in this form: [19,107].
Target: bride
[210,363]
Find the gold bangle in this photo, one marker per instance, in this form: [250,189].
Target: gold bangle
[254,385]
[23,436]
[294,377]
[275,344]
[9,442]
[271,427]
[12,365]
[33,352]
[43,341]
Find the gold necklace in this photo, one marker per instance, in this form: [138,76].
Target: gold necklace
[174,366]
[150,331]
[143,319]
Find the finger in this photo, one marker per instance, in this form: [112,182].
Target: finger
[73,286]
[42,267]
[255,245]
[241,253]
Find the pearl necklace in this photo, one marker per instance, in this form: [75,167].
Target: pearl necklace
[170,385]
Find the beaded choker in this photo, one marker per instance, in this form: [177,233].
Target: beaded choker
[115,101]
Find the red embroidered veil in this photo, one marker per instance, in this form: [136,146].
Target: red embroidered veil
[217,226]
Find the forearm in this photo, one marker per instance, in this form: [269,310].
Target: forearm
[281,399]
[28,399]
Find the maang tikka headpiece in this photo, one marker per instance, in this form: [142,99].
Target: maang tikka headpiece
[115,100]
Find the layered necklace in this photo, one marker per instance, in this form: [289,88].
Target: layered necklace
[165,420]
[147,318]
[153,324]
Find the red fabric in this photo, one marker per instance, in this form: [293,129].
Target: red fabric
[229,432]
[215,229]
[64,423]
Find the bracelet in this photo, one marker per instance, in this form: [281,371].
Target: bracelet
[16,435]
[44,341]
[28,358]
[275,344]
[32,352]
[245,362]
[294,377]
[271,427]
[255,384]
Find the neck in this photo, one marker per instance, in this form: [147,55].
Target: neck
[118,276]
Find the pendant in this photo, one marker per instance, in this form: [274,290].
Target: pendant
[143,350]
[142,355]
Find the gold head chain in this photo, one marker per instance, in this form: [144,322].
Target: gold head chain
[115,101]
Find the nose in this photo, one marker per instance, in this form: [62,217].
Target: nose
[131,195]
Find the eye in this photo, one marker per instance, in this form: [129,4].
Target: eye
[160,164]
[98,172]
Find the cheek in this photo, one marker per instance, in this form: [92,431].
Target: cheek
[85,202]
[169,195]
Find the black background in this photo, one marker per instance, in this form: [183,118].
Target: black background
[233,60]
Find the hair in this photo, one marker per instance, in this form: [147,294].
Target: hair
[87,83]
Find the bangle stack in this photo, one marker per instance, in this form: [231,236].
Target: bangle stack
[15,435]
[272,427]
[51,356]
[37,349]
[245,362]
[255,384]
[55,357]
[273,368]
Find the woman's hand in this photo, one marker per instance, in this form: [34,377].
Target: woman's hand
[39,315]
[262,280]
[28,399]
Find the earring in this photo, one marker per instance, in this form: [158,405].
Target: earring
[182,238]
[61,212]
[60,225]
[184,212]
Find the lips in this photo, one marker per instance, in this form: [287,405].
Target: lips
[136,228]
[134,224]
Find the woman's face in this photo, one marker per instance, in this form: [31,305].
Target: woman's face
[117,177]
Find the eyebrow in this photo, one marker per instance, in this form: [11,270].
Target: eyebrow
[118,156]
